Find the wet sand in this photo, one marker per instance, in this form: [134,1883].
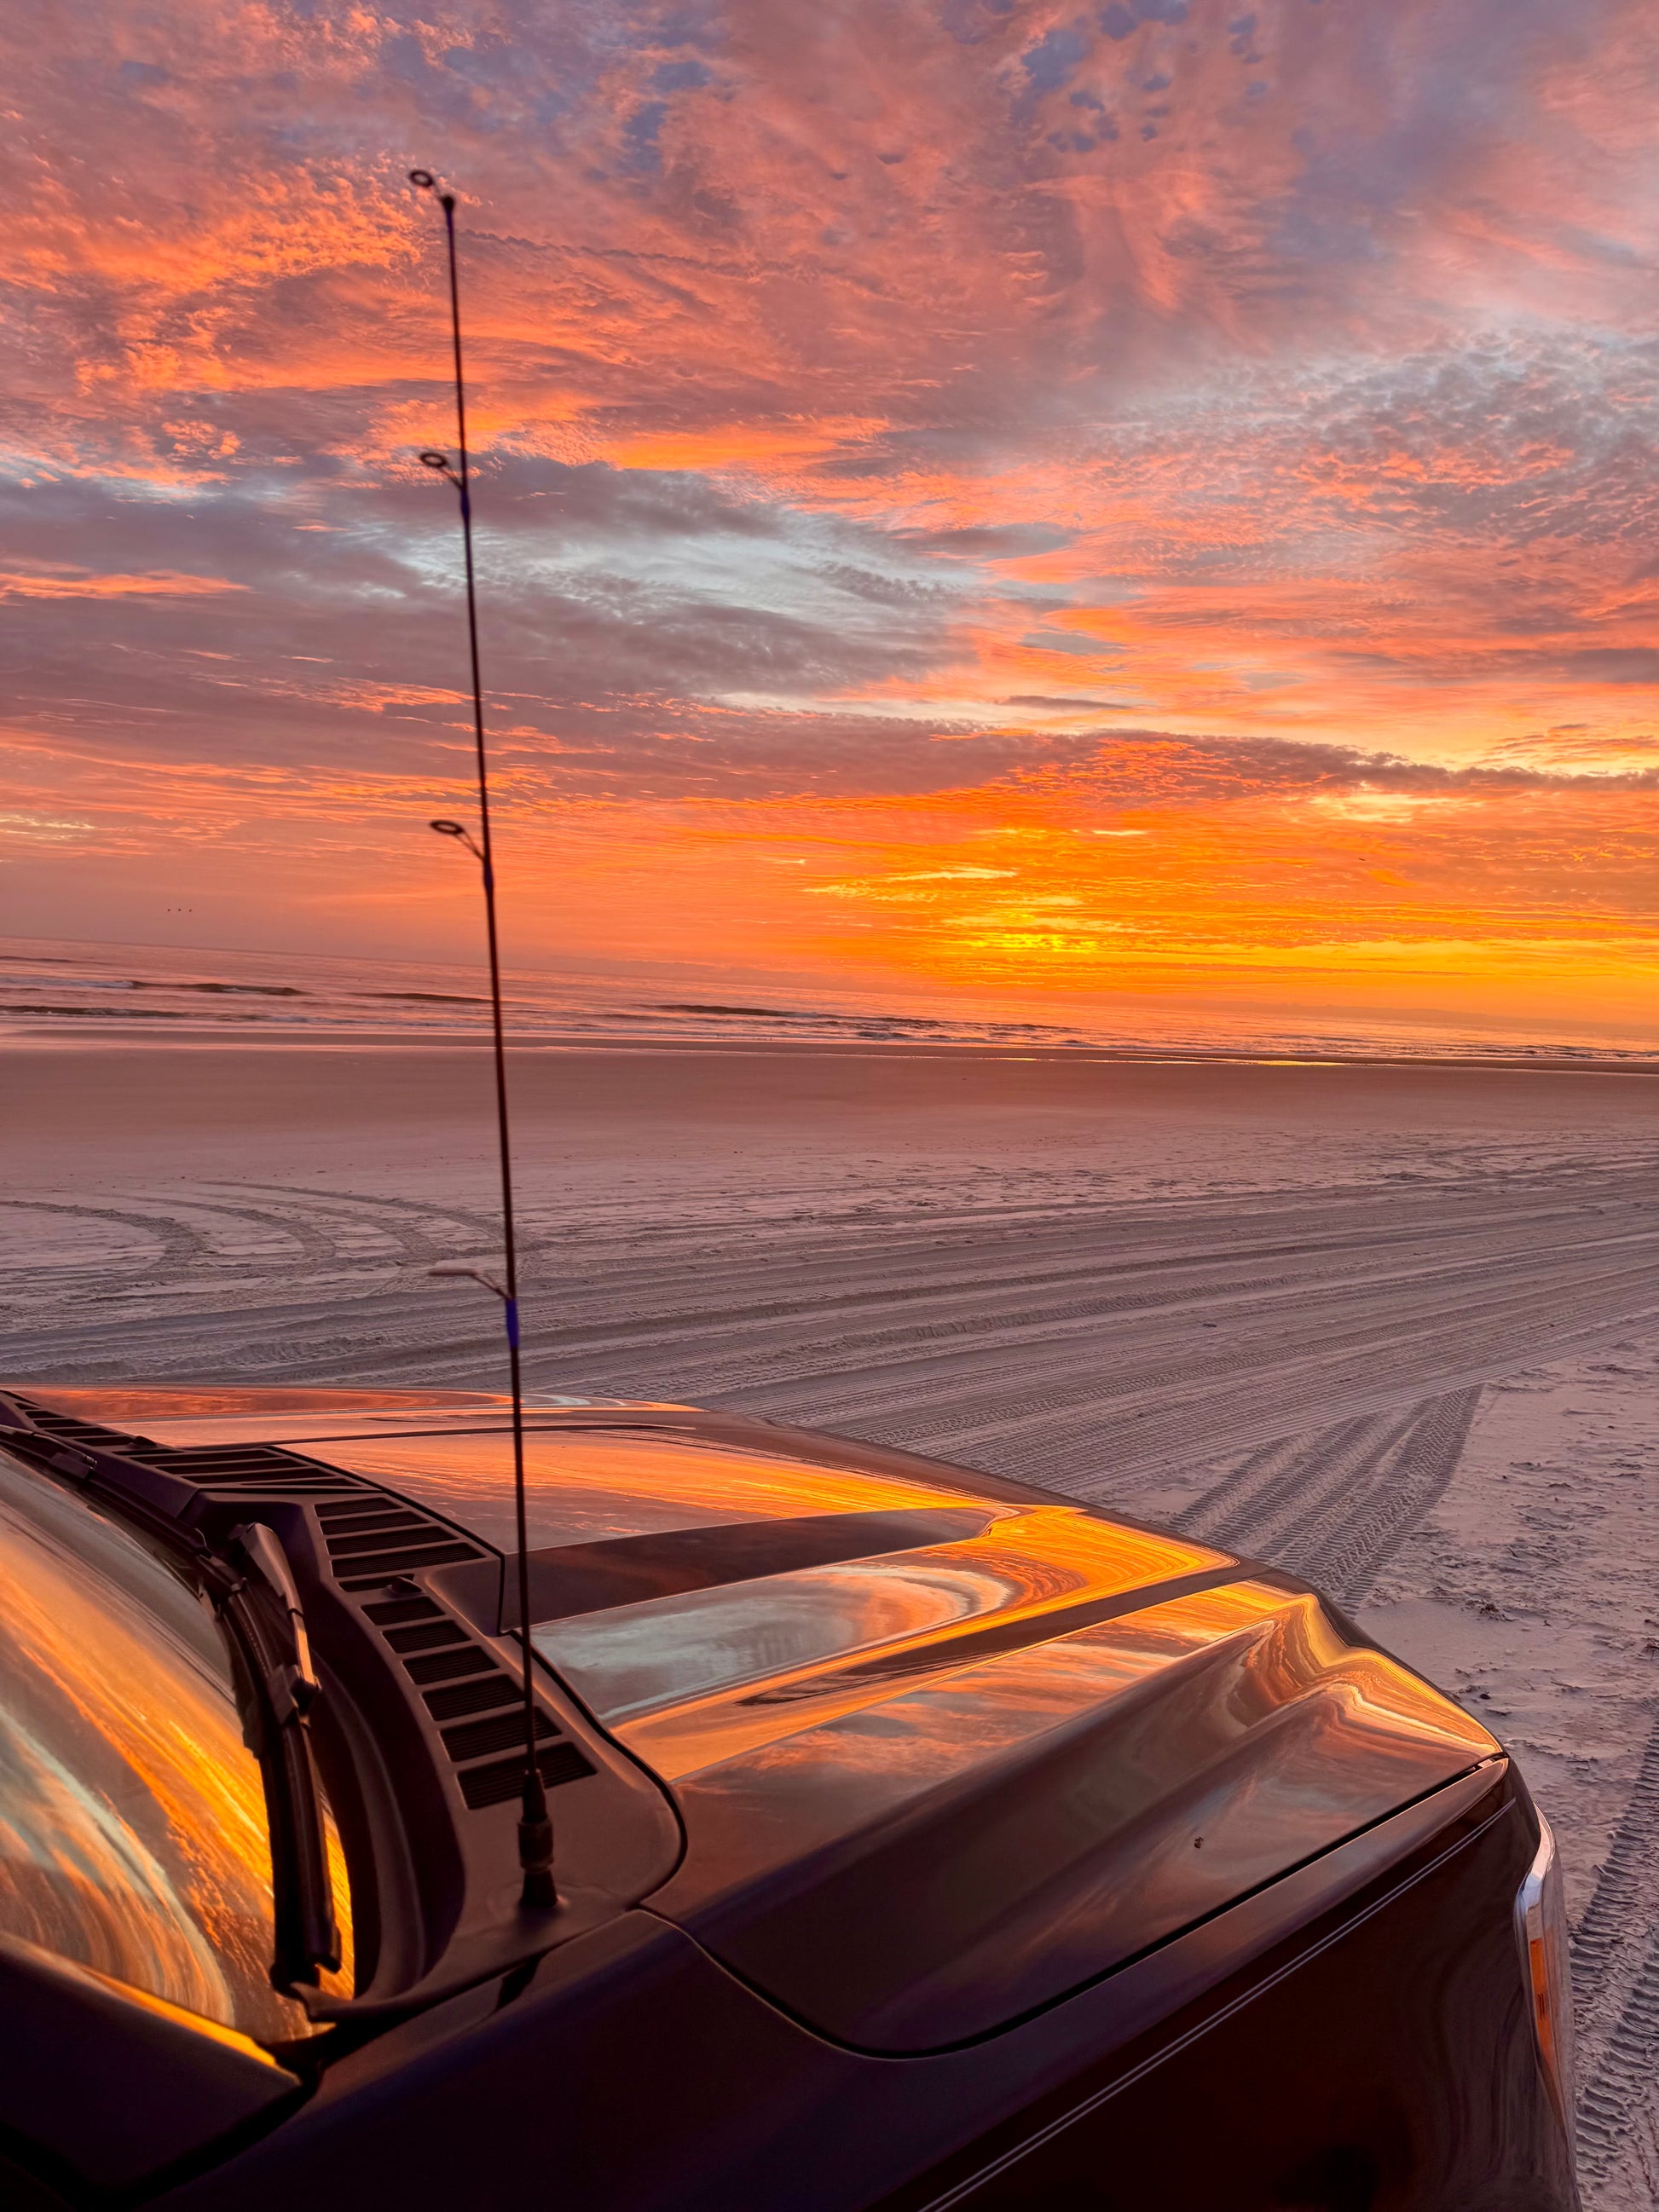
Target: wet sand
[1394,1327]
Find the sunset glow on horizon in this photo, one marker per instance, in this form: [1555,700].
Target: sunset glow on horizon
[1150,502]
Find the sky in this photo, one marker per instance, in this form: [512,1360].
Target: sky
[1150,505]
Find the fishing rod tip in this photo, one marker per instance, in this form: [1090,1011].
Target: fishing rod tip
[425,181]
[459,831]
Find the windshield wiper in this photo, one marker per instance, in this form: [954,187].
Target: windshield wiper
[252,1590]
[261,1608]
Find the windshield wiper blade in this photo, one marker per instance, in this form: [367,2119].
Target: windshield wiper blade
[293,1686]
[253,1590]
[262,1610]
[48,1451]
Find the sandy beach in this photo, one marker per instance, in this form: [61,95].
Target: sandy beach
[1392,1326]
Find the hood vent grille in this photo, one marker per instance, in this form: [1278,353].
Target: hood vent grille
[372,1537]
[225,1467]
[440,1666]
[498,1781]
[67,1430]
[369,1538]
[457,1677]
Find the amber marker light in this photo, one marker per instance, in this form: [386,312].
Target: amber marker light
[1541,1928]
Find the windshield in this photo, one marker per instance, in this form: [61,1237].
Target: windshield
[133,1836]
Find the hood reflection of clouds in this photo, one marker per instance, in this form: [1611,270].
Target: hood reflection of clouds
[589,1484]
[753,1661]
[1091,1794]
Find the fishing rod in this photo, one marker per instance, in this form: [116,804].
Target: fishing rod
[535,1828]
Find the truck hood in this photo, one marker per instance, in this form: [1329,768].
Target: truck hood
[944,1748]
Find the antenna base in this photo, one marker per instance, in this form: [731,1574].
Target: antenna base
[536,1858]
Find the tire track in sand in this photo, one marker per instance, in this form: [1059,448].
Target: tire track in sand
[1333,1506]
[1615,1976]
[1617,2107]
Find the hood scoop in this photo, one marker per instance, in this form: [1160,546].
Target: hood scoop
[568,1580]
[928,1791]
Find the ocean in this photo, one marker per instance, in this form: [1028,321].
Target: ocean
[57,990]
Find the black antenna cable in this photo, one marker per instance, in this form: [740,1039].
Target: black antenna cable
[535,1829]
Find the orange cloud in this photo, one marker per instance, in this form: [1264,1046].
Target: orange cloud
[22,586]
